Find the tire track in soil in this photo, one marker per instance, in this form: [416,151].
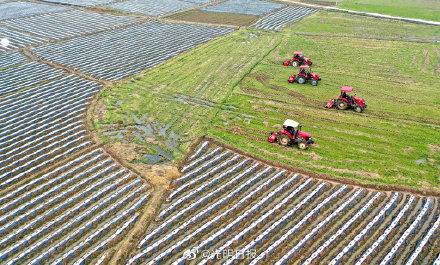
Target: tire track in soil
[320,105]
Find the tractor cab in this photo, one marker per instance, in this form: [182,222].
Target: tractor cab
[344,95]
[289,126]
[297,55]
[304,70]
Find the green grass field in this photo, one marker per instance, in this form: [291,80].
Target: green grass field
[424,9]
[331,23]
[235,89]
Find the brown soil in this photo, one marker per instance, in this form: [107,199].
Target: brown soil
[214,18]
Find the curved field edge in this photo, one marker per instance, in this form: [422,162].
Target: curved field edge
[234,89]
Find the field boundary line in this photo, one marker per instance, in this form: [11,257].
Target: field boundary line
[27,52]
[367,14]
[321,176]
[175,21]
[197,7]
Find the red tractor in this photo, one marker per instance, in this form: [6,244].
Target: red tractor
[305,75]
[298,59]
[289,135]
[346,101]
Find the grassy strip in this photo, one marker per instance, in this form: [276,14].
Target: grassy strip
[235,89]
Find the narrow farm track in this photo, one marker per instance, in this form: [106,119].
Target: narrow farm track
[229,209]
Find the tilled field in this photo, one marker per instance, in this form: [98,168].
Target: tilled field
[229,209]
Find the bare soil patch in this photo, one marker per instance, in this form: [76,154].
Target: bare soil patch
[215,18]
[321,3]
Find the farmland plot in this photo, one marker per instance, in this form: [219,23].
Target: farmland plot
[17,40]
[70,214]
[200,1]
[120,53]
[21,77]
[248,7]
[280,18]
[227,208]
[42,125]
[24,9]
[11,59]
[86,3]
[56,26]
[152,7]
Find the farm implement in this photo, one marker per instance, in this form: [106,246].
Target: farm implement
[289,135]
[297,60]
[347,102]
[304,76]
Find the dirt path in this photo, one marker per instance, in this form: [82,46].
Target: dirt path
[160,177]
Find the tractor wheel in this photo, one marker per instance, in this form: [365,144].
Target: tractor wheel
[302,144]
[284,139]
[358,109]
[301,80]
[342,104]
[294,63]
[314,82]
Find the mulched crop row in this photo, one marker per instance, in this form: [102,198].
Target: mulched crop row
[56,26]
[120,53]
[225,201]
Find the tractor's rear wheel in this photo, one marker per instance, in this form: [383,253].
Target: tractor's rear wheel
[302,144]
[342,104]
[301,80]
[284,139]
[358,109]
[294,63]
[314,82]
